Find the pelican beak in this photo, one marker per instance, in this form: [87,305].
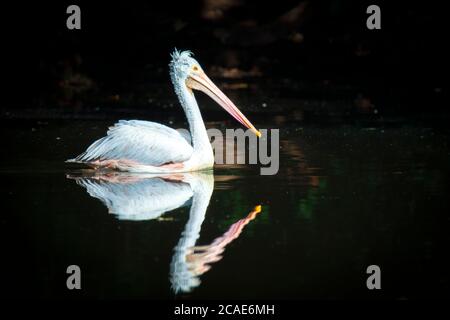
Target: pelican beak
[200,81]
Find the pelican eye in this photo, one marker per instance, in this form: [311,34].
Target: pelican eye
[195,68]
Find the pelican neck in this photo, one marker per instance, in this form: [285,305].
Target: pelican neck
[199,135]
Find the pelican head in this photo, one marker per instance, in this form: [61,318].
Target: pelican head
[186,70]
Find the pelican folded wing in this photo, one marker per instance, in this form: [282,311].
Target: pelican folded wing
[143,142]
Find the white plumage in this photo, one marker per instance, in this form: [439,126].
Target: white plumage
[148,143]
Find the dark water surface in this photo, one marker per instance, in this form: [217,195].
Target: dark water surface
[345,197]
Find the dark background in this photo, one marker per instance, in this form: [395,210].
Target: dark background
[311,50]
[316,57]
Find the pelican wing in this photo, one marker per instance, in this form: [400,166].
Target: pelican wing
[145,142]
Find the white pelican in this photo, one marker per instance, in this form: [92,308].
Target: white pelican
[143,146]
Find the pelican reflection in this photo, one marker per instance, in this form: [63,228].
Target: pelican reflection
[148,196]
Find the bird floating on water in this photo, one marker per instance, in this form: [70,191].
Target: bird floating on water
[144,146]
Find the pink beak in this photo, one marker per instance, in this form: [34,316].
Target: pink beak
[203,83]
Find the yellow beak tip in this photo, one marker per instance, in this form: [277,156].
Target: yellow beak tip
[257,209]
[258,134]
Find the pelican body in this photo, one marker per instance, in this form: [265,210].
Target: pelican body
[144,146]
